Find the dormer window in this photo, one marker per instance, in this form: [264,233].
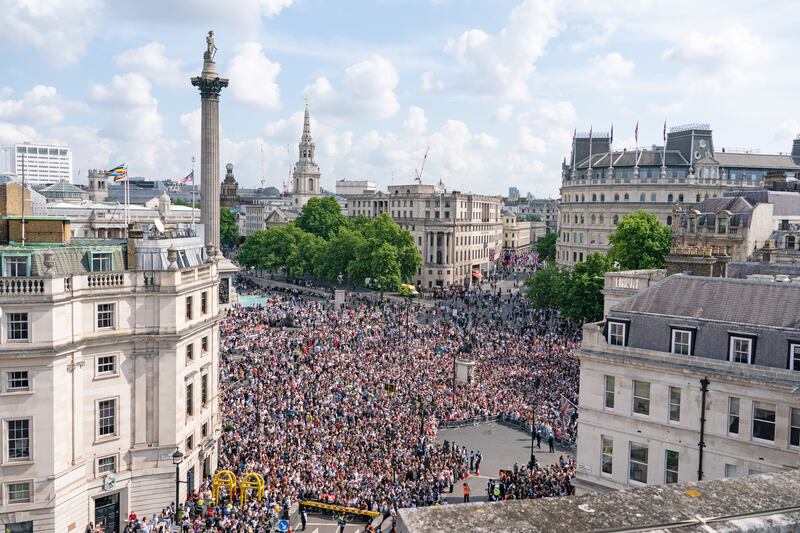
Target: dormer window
[722,225]
[692,224]
[16,265]
[101,262]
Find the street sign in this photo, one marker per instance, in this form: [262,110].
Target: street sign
[283,525]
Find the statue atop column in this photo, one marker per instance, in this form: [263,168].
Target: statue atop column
[211,47]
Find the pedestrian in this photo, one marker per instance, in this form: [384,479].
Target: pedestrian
[551,442]
[466,493]
[303,517]
[471,461]
[539,438]
[342,523]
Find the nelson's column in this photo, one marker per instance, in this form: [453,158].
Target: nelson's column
[210,85]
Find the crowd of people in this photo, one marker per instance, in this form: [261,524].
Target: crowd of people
[343,405]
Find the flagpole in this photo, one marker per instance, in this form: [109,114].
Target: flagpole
[127,203]
[23,199]
[589,174]
[636,154]
[193,192]
[611,153]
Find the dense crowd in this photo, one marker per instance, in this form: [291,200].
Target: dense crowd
[343,405]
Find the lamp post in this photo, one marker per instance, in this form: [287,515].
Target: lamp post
[177,459]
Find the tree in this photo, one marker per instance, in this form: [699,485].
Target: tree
[184,203]
[337,253]
[382,229]
[583,296]
[546,287]
[228,229]
[546,246]
[286,247]
[322,217]
[640,241]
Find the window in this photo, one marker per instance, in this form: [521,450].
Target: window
[641,397]
[733,416]
[615,219]
[204,302]
[609,392]
[642,197]
[607,455]
[764,421]
[741,350]
[204,389]
[671,462]
[18,492]
[681,342]
[652,197]
[15,265]
[616,333]
[17,380]
[189,399]
[794,427]
[19,439]
[794,357]
[190,352]
[107,364]
[17,326]
[730,470]
[105,316]
[101,262]
[204,430]
[674,404]
[107,464]
[638,463]
[190,442]
[204,344]
[188,308]
[106,418]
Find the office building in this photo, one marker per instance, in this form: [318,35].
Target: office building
[42,163]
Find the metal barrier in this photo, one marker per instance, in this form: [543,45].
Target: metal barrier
[339,509]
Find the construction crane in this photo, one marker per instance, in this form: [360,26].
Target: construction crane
[422,168]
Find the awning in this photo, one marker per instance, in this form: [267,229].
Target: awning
[476,274]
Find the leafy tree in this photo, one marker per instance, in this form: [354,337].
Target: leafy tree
[546,287]
[640,241]
[337,253]
[228,229]
[546,246]
[382,229]
[322,217]
[583,297]
[385,267]
[285,247]
[184,203]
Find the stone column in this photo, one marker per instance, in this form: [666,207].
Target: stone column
[210,85]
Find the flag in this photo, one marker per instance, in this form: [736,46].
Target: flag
[611,135]
[188,179]
[665,131]
[567,410]
[491,255]
[119,173]
[636,133]
[535,259]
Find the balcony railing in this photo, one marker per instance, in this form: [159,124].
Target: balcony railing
[14,286]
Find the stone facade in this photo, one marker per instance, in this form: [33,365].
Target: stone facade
[518,236]
[457,234]
[229,195]
[306,175]
[600,186]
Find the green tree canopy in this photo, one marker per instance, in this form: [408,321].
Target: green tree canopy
[285,247]
[321,216]
[640,241]
[546,287]
[228,229]
[583,297]
[546,246]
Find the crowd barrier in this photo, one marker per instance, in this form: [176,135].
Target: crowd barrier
[339,509]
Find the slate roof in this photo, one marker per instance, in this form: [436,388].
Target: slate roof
[732,301]
[765,161]
[647,158]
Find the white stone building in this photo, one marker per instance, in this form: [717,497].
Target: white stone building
[518,235]
[690,378]
[306,174]
[42,163]
[352,187]
[108,364]
[600,186]
[458,235]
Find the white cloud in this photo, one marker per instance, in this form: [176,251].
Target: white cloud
[427,83]
[416,122]
[504,62]
[503,112]
[60,29]
[151,61]
[254,77]
[14,133]
[41,106]
[530,142]
[735,55]
[610,70]
[126,90]
[787,130]
[367,90]
[191,123]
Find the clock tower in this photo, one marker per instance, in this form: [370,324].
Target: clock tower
[306,174]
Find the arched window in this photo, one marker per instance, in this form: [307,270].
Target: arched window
[576,219]
[652,197]
[602,197]
[616,219]
[594,219]
[626,197]
[670,197]
[602,219]
[311,184]
[583,198]
[669,220]
[616,197]
[680,197]
[697,198]
[642,197]
[594,197]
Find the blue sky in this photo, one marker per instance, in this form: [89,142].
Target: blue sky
[494,88]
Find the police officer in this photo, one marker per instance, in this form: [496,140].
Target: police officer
[341,522]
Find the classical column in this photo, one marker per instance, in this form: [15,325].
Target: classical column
[210,85]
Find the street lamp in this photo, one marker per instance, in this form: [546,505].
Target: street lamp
[177,459]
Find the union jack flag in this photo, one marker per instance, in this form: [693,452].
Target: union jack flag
[568,411]
[491,255]
[535,260]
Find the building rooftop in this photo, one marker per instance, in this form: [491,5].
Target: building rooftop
[730,301]
[766,502]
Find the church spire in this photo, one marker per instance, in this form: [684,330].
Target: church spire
[306,142]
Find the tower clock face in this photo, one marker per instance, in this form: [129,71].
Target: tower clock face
[697,155]
[702,143]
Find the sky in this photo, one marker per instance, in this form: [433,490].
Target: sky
[494,88]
